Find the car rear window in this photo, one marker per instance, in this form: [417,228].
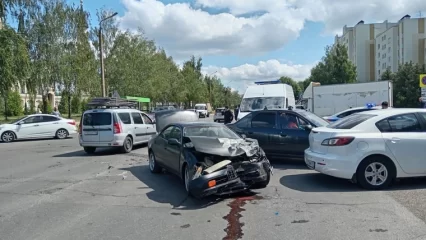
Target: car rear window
[350,121]
[97,119]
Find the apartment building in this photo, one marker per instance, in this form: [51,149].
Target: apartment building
[377,46]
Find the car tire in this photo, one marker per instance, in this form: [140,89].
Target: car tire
[187,177]
[8,136]
[153,166]
[61,133]
[89,150]
[127,145]
[208,114]
[380,168]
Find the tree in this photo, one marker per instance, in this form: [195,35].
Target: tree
[335,67]
[14,62]
[406,85]
[387,75]
[296,88]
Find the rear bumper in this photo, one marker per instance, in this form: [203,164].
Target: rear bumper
[332,165]
[118,141]
[230,180]
[221,118]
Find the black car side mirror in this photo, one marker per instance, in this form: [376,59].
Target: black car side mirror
[307,127]
[173,142]
[19,123]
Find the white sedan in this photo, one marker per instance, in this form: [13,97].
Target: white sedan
[371,148]
[37,126]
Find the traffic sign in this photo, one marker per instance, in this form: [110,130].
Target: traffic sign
[422,80]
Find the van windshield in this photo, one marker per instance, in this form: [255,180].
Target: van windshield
[259,103]
[200,107]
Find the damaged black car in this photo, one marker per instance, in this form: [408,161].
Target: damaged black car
[210,158]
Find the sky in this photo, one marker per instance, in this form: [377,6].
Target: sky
[242,41]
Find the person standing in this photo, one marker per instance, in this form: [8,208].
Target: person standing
[422,103]
[236,110]
[56,112]
[227,115]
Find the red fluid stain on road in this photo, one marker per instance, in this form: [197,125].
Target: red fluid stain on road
[234,230]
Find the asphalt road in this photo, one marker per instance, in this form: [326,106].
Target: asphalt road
[50,189]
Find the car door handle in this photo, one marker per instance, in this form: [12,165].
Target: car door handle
[56,123]
[283,135]
[36,125]
[136,127]
[394,140]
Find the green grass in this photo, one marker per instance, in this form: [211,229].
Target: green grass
[76,117]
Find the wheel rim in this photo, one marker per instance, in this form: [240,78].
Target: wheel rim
[128,144]
[62,134]
[376,174]
[7,137]
[151,161]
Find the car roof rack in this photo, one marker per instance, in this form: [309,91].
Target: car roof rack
[111,102]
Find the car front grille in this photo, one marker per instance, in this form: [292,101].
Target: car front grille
[231,172]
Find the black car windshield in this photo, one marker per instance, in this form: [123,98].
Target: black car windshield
[209,131]
[312,117]
[259,103]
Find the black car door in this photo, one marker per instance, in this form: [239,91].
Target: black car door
[160,144]
[263,125]
[294,139]
[172,152]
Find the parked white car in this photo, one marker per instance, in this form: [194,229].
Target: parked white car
[115,127]
[37,126]
[371,148]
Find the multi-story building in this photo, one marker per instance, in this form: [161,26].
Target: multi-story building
[379,46]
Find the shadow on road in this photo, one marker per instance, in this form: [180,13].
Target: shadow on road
[101,152]
[36,140]
[169,189]
[284,164]
[317,182]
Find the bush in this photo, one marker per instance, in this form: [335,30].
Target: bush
[14,104]
[76,104]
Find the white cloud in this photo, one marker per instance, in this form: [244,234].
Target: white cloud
[184,30]
[241,76]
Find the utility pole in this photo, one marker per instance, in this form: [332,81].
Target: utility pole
[101,54]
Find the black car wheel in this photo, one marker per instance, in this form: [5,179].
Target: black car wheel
[61,134]
[153,166]
[127,145]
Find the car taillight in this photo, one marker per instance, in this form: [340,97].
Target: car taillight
[337,141]
[72,122]
[117,128]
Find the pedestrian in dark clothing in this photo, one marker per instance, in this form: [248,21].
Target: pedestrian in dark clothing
[228,116]
[422,103]
[236,110]
[385,105]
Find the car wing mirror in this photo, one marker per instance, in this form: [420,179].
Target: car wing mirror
[19,123]
[173,142]
[307,127]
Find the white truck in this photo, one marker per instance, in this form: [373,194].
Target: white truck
[329,99]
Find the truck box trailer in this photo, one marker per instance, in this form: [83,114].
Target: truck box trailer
[325,100]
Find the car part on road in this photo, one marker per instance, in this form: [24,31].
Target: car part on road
[89,150]
[61,134]
[8,136]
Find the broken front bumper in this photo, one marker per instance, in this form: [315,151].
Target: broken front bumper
[233,178]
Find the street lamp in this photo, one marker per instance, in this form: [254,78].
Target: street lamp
[101,52]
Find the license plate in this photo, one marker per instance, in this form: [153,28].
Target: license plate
[91,133]
[310,164]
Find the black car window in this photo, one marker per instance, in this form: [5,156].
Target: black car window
[290,121]
[49,119]
[384,126]
[146,119]
[176,133]
[97,119]
[313,118]
[423,114]
[125,117]
[264,120]
[166,132]
[137,119]
[404,123]
[350,121]
[29,120]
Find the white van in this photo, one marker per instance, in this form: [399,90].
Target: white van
[269,95]
[201,109]
[122,128]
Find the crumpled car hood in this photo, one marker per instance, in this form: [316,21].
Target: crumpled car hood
[225,147]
